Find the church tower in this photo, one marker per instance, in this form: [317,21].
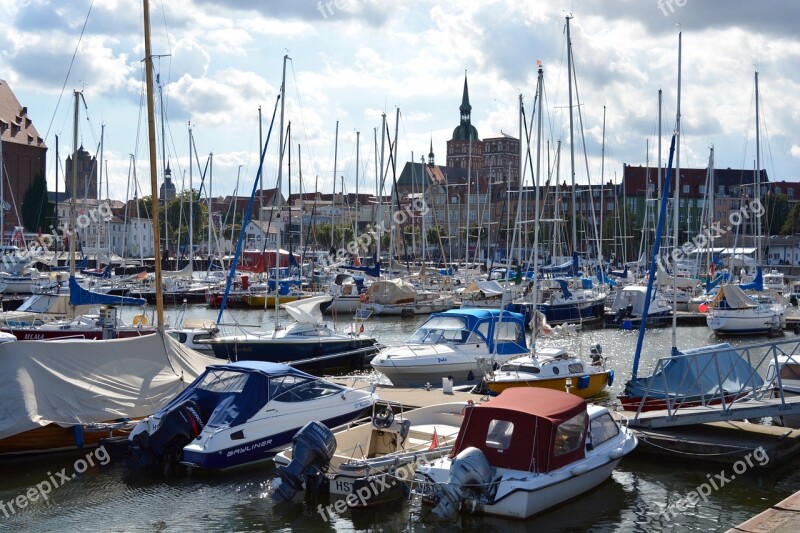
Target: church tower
[465,146]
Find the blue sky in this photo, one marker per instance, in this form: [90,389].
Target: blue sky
[352,60]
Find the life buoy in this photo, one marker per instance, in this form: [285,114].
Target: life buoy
[363,298]
[140,320]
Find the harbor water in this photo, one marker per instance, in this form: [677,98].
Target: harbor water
[643,494]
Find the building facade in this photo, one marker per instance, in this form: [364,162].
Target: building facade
[86,184]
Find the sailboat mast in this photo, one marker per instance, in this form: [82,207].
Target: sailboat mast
[278,192]
[757,192]
[536,187]
[191,205]
[333,198]
[74,233]
[676,210]
[151,131]
[379,177]
[602,189]
[571,140]
[358,163]
[99,194]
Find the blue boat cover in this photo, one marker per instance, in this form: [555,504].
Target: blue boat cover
[603,279]
[477,317]
[80,296]
[696,376]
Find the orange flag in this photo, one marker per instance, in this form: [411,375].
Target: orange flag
[434,441]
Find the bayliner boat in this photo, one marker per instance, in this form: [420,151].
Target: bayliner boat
[458,344]
[371,452]
[524,452]
[553,368]
[240,413]
[308,343]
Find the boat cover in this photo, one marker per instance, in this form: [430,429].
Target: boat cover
[307,310]
[732,297]
[69,382]
[666,279]
[757,284]
[80,296]
[489,288]
[392,291]
[535,415]
[698,375]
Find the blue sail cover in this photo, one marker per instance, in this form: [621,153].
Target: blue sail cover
[694,377]
[570,268]
[80,296]
[603,279]
[105,273]
[722,276]
[84,263]
[757,284]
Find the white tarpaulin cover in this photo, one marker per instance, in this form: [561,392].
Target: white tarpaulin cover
[69,382]
[392,291]
[489,288]
[665,279]
[307,311]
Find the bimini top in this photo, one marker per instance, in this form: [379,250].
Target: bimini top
[527,428]
[474,315]
[502,331]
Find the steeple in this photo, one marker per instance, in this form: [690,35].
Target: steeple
[430,155]
[466,108]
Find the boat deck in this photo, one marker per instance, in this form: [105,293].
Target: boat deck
[783,516]
[408,397]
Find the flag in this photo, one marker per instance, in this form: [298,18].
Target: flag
[434,441]
[361,329]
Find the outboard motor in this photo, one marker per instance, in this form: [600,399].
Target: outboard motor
[469,468]
[312,449]
[163,448]
[596,354]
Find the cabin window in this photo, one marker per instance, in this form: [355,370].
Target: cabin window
[499,434]
[178,336]
[223,381]
[569,435]
[509,332]
[575,368]
[602,429]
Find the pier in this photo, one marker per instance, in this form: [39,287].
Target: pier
[783,516]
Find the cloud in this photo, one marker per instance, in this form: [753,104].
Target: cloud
[795,151]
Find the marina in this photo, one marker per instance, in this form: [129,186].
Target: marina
[319,330]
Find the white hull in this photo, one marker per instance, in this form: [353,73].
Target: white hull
[416,366]
[747,321]
[420,308]
[346,305]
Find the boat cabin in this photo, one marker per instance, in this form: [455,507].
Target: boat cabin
[502,331]
[528,429]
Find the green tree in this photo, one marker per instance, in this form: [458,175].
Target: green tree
[37,210]
[776,212]
[792,224]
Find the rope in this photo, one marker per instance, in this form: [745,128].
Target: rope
[643,437]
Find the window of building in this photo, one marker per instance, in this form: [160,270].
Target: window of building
[790,193]
[702,189]
[686,188]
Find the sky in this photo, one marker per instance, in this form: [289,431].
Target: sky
[353,60]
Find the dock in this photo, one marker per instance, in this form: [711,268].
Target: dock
[411,398]
[783,516]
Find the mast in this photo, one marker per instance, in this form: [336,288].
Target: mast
[333,198]
[602,190]
[676,200]
[536,188]
[302,205]
[74,233]
[261,180]
[99,193]
[757,191]
[278,193]
[659,143]
[2,211]
[571,140]
[358,211]
[151,130]
[191,205]
[380,189]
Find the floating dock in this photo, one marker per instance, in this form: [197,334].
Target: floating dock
[783,516]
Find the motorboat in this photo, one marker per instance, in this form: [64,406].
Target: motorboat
[346,291]
[562,305]
[458,344]
[554,368]
[733,312]
[240,413]
[629,303]
[399,297]
[383,449]
[783,376]
[523,452]
[308,343]
[706,375]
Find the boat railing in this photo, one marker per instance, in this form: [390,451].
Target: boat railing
[705,373]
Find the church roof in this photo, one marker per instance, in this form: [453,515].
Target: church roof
[15,124]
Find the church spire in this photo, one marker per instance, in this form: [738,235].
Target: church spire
[466,108]
[430,155]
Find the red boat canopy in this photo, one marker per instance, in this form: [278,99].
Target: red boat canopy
[527,428]
[256,261]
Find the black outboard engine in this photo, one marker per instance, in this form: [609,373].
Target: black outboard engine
[163,449]
[312,449]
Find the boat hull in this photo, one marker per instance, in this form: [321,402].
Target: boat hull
[573,313]
[54,438]
[653,321]
[35,334]
[597,382]
[320,356]
[749,322]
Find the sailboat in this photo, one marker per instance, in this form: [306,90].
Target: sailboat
[67,394]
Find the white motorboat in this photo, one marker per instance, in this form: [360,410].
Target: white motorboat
[458,344]
[240,413]
[629,303]
[378,448]
[735,313]
[524,452]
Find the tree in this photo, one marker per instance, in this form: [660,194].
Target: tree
[776,212]
[792,224]
[38,213]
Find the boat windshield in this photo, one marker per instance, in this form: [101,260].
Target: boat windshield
[444,329]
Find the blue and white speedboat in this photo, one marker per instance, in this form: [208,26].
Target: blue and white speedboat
[240,413]
[460,344]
